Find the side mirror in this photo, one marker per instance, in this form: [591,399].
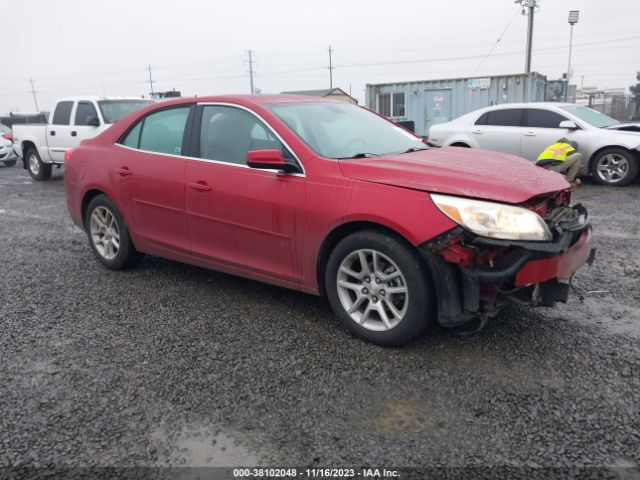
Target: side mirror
[93,122]
[568,124]
[268,159]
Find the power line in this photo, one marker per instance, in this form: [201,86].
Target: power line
[497,42]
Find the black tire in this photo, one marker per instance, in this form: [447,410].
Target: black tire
[10,163]
[39,171]
[127,255]
[420,310]
[624,174]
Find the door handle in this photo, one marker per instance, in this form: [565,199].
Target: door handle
[530,134]
[478,131]
[200,186]
[74,133]
[52,133]
[124,171]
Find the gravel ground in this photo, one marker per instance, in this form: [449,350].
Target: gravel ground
[171,365]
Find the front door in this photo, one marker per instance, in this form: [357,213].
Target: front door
[542,128]
[149,173]
[239,217]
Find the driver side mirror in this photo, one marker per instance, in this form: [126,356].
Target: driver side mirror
[568,124]
[93,121]
[269,159]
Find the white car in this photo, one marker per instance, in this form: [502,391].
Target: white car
[73,119]
[612,156]
[7,154]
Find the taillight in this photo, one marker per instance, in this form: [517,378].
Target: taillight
[8,136]
[68,154]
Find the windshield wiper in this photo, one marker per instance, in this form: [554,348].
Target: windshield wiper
[360,155]
[415,149]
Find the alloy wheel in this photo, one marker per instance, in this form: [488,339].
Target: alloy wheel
[372,290]
[105,234]
[34,164]
[612,168]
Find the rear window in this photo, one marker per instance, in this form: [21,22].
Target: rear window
[62,115]
[114,110]
[506,117]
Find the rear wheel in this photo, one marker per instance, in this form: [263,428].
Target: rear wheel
[379,288]
[616,167]
[108,234]
[38,170]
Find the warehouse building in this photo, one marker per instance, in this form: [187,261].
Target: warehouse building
[420,104]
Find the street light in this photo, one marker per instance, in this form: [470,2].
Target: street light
[573,19]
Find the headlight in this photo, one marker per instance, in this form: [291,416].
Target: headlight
[495,220]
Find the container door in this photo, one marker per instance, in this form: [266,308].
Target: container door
[438,107]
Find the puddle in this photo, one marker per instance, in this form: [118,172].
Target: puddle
[204,447]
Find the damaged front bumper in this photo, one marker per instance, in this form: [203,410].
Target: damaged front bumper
[476,275]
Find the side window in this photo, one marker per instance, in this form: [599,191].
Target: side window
[162,131]
[539,118]
[83,112]
[507,117]
[133,137]
[227,134]
[62,114]
[483,119]
[384,104]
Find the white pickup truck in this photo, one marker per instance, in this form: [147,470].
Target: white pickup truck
[72,120]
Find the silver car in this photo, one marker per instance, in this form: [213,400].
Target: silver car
[7,154]
[612,156]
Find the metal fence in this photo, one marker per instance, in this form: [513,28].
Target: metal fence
[620,107]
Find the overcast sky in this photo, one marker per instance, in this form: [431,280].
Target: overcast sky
[80,47]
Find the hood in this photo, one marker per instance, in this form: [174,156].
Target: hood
[459,171]
[625,127]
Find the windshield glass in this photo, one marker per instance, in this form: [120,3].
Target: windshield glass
[4,129]
[343,130]
[592,117]
[114,110]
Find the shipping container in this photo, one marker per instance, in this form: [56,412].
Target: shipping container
[428,102]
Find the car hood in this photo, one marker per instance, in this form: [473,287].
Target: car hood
[459,171]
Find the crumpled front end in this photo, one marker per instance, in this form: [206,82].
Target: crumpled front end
[487,272]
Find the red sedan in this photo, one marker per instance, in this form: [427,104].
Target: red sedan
[330,199]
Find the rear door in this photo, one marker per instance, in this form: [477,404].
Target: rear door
[239,217]
[542,128]
[148,172]
[59,138]
[85,110]
[499,130]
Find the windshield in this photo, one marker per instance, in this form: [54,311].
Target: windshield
[343,130]
[4,129]
[114,110]
[592,117]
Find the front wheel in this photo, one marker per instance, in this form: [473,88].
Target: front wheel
[615,167]
[109,235]
[38,170]
[379,288]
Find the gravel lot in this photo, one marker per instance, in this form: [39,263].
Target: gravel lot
[169,364]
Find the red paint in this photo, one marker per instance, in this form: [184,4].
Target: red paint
[270,226]
[560,266]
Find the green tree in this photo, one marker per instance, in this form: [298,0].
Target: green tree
[635,89]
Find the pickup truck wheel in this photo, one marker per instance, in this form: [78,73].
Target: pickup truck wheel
[379,288]
[38,170]
[615,167]
[109,235]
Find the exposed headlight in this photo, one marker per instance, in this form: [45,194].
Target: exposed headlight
[494,220]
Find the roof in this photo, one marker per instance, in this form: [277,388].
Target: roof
[318,93]
[96,98]
[247,99]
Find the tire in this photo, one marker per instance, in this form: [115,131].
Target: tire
[108,235]
[39,171]
[614,167]
[414,310]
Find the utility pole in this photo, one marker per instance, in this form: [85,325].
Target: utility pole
[33,91]
[151,80]
[331,67]
[528,8]
[250,53]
